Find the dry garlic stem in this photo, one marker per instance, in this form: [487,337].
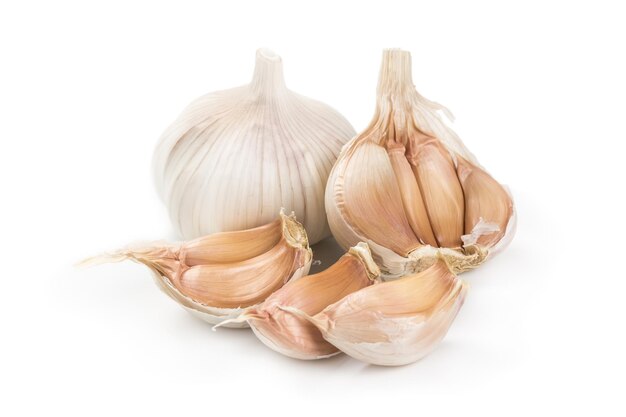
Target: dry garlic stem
[296,337]
[396,322]
[412,174]
[216,276]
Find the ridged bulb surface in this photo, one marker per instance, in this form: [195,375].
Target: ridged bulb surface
[234,158]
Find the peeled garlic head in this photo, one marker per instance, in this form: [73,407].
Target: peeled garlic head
[411,173]
[218,276]
[396,322]
[233,158]
[296,337]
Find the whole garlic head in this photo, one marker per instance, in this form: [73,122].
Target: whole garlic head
[409,187]
[235,157]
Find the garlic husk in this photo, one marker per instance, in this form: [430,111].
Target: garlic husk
[217,277]
[293,336]
[396,322]
[427,192]
[233,158]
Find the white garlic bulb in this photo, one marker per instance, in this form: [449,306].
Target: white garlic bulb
[235,157]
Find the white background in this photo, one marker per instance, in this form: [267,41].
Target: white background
[86,89]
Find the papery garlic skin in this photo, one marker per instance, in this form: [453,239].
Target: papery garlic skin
[396,322]
[217,277]
[409,187]
[233,158]
[293,336]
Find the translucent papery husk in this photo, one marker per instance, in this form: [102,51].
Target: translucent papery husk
[208,276]
[410,189]
[396,322]
[293,336]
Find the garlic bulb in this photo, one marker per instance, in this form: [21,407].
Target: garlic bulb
[216,276]
[409,187]
[296,337]
[396,322]
[233,158]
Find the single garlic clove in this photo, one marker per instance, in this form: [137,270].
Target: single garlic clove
[443,196]
[485,200]
[296,337]
[412,199]
[234,157]
[217,289]
[396,322]
[226,247]
[406,171]
[382,201]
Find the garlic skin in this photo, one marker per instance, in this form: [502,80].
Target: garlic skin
[396,322]
[411,173]
[235,157]
[295,337]
[217,277]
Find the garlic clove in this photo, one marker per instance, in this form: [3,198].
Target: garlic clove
[240,284]
[215,290]
[226,247]
[443,196]
[406,171]
[382,201]
[485,201]
[234,157]
[296,337]
[412,199]
[396,322]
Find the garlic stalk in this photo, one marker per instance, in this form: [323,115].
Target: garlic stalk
[233,158]
[216,277]
[396,322]
[296,337]
[409,187]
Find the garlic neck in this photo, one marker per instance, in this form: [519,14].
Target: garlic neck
[395,96]
[268,77]
[395,74]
